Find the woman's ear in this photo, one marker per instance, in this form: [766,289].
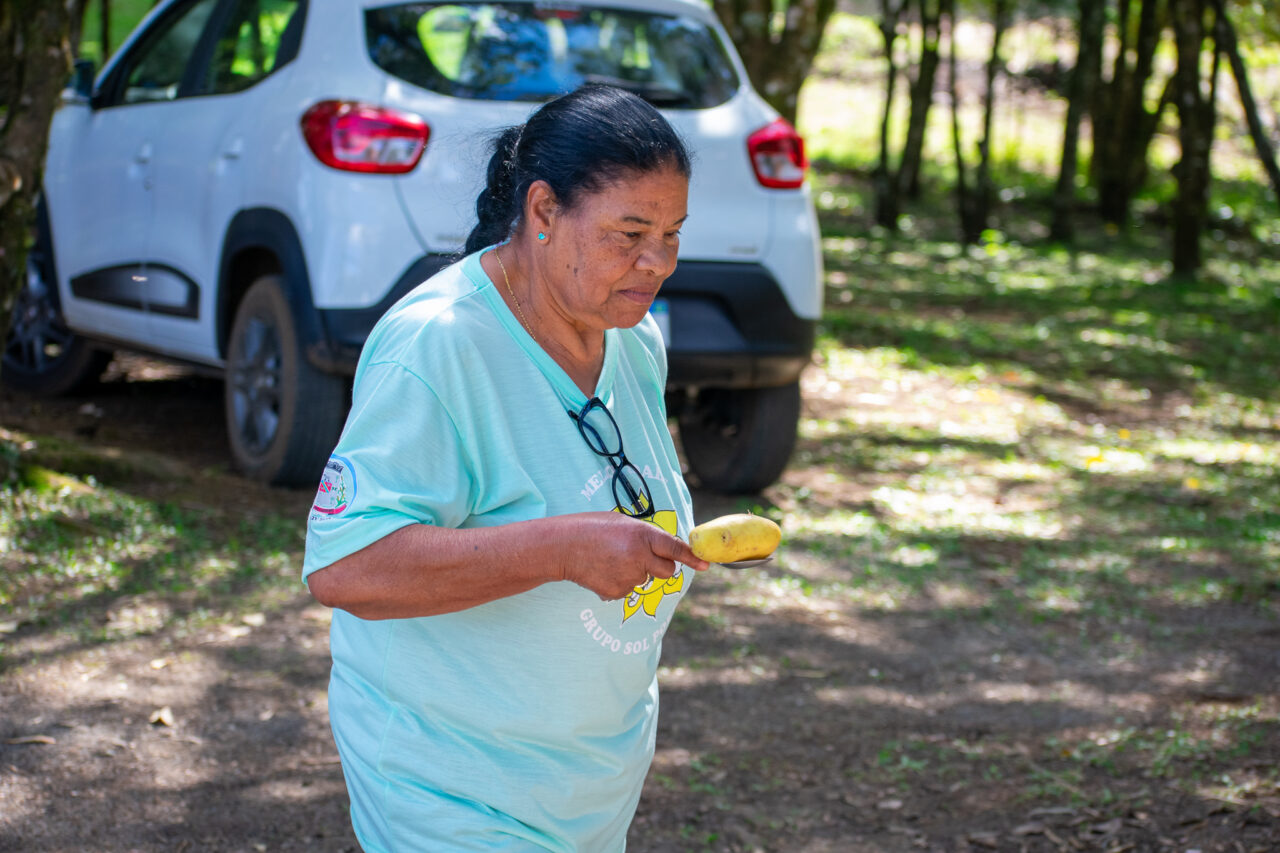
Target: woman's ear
[541,209]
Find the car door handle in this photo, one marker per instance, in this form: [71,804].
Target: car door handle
[234,150]
[144,153]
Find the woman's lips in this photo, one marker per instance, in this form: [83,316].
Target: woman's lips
[640,295]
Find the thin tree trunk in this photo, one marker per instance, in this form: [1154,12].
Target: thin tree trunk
[1195,135]
[921,99]
[984,193]
[36,51]
[887,206]
[104,28]
[1079,93]
[964,202]
[1224,34]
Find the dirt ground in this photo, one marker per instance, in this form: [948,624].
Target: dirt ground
[788,726]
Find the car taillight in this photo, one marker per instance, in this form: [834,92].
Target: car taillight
[359,137]
[777,155]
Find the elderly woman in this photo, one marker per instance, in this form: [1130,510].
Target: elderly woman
[501,527]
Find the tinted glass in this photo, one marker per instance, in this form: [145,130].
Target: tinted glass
[249,46]
[155,72]
[528,52]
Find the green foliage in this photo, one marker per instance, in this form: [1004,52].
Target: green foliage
[124,17]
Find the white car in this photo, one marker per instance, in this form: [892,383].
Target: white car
[248,184]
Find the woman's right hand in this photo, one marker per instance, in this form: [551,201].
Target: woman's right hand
[421,570]
[611,554]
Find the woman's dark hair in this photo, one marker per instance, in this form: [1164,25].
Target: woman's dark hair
[579,142]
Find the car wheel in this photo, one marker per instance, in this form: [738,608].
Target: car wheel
[41,355]
[283,415]
[738,441]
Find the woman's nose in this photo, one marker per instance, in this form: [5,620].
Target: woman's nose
[658,258]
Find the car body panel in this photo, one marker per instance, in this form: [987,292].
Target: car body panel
[170,178]
[99,186]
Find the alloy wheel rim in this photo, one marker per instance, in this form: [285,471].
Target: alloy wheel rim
[38,339]
[256,383]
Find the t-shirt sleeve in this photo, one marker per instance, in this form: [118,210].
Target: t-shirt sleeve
[400,461]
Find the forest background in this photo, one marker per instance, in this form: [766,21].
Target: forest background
[1029,595]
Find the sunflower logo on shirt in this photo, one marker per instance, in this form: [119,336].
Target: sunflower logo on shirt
[648,596]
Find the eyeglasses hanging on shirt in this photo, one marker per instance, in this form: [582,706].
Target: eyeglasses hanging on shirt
[601,433]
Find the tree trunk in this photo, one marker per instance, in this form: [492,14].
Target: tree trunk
[1195,135]
[908,180]
[886,191]
[1120,140]
[964,199]
[984,192]
[778,53]
[104,28]
[36,52]
[1079,92]
[1224,35]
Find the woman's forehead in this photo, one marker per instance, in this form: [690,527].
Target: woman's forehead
[645,198]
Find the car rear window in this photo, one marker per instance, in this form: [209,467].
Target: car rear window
[532,52]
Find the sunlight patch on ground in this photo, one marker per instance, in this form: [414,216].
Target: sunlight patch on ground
[966,511]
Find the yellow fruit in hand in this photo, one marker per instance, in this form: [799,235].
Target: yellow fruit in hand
[730,538]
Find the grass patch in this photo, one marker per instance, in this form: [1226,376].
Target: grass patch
[74,547]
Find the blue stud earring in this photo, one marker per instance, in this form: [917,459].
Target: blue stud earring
[541,236]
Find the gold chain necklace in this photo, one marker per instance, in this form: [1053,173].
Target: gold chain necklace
[514,301]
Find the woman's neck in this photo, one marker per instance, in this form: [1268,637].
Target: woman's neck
[582,364]
[577,349]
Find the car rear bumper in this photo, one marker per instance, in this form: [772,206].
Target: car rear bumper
[730,325]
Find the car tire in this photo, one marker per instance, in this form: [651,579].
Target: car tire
[41,355]
[738,441]
[283,415]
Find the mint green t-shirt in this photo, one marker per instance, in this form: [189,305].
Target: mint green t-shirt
[526,723]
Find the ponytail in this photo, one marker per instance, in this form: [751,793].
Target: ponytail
[496,207]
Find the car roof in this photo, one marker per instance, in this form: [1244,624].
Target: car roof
[672,7]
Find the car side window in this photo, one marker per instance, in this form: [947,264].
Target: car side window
[250,44]
[155,72]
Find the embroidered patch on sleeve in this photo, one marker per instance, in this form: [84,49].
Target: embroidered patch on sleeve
[337,489]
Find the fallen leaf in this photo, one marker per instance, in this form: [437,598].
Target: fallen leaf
[1111,827]
[1053,810]
[159,663]
[254,620]
[985,839]
[889,805]
[17,741]
[1035,827]
[162,716]
[8,627]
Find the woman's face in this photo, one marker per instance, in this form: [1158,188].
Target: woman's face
[608,255]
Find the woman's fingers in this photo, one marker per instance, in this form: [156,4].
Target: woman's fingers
[622,553]
[676,550]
